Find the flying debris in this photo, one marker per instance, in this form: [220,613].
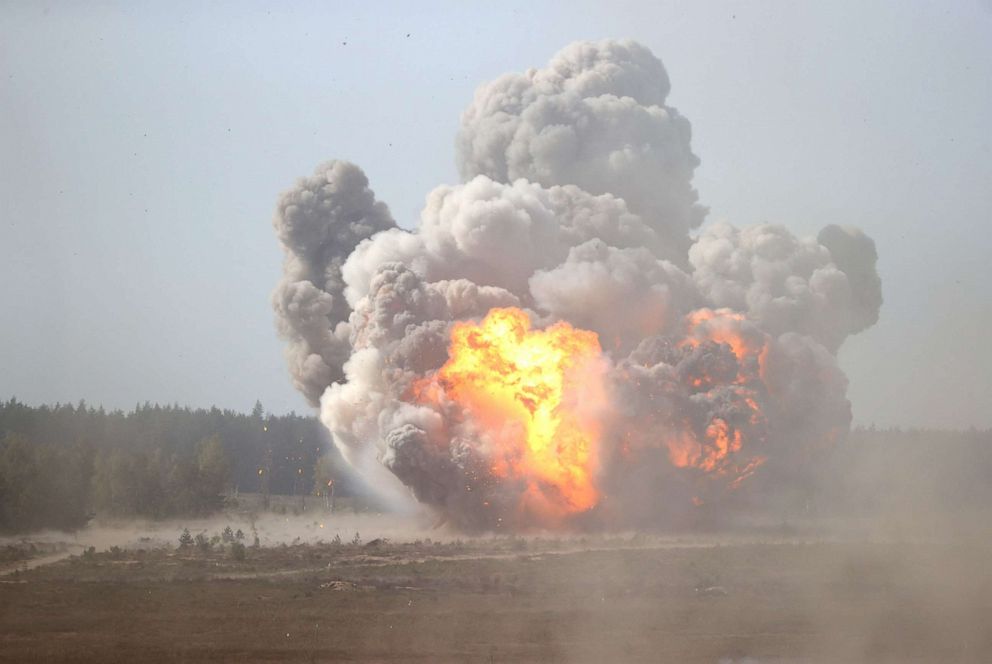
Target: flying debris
[552,346]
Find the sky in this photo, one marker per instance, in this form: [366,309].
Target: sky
[143,146]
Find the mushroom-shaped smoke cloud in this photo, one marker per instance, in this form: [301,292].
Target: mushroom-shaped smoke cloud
[551,346]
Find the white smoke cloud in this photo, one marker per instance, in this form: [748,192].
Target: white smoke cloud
[594,117]
[577,206]
[790,284]
[624,294]
[498,234]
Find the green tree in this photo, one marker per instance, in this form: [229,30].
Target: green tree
[42,485]
[17,477]
[213,469]
[325,476]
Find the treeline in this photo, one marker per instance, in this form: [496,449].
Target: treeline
[911,468]
[61,464]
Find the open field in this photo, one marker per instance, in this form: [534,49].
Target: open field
[712,598]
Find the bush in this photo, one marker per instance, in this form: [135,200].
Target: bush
[202,543]
[238,551]
[185,540]
[14,553]
[227,535]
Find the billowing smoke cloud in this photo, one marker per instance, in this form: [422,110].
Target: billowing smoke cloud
[826,288]
[713,362]
[319,222]
[594,117]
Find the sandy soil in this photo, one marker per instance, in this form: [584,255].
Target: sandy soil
[713,598]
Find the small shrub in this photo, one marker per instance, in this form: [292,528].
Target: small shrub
[356,540]
[13,553]
[336,541]
[238,551]
[202,543]
[240,535]
[227,535]
[185,540]
[116,552]
[89,553]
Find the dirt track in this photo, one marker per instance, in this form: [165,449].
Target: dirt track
[508,600]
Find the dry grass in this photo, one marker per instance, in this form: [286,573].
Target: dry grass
[510,600]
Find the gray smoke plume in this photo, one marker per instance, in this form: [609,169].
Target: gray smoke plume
[594,117]
[577,205]
[319,222]
[826,287]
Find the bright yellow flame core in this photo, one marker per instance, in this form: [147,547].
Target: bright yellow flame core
[537,393]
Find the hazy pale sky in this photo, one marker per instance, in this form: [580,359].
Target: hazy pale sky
[143,145]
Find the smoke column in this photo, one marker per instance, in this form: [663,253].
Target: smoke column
[556,344]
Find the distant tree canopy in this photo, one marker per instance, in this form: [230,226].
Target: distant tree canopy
[910,469]
[43,486]
[59,464]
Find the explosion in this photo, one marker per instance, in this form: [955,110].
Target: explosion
[534,392]
[559,343]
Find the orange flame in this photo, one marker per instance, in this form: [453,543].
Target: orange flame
[685,451]
[535,392]
[707,324]
[721,326]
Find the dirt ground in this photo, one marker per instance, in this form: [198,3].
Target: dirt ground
[593,599]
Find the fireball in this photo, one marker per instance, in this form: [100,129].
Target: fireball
[537,394]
